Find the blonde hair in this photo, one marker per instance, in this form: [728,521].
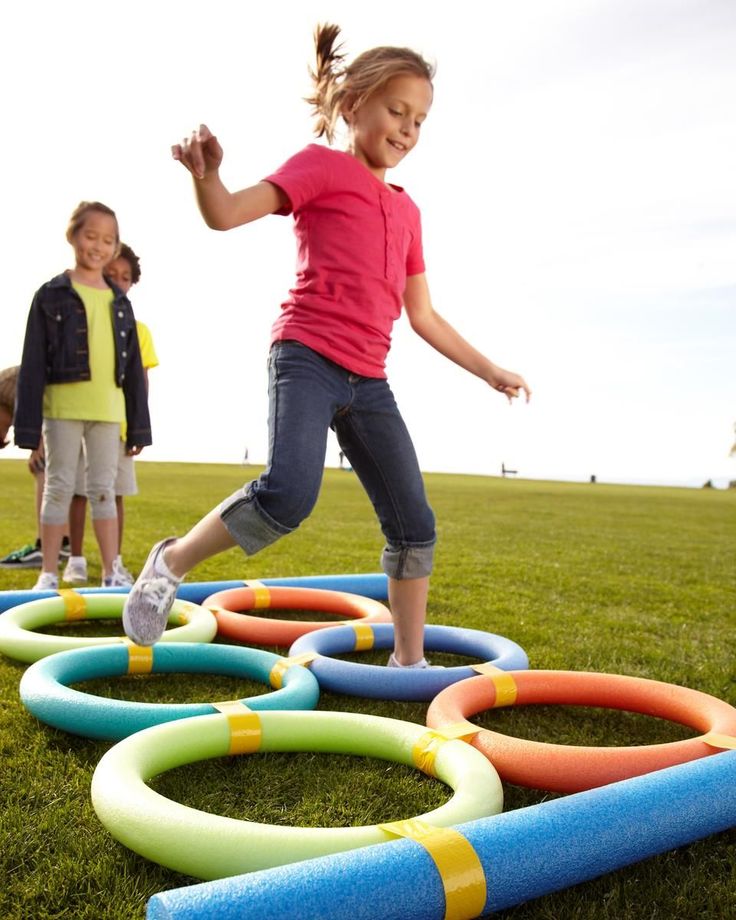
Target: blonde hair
[8,385]
[337,88]
[79,216]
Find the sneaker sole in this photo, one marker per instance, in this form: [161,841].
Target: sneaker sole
[21,565]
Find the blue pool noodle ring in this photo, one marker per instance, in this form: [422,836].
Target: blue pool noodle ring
[45,692]
[418,684]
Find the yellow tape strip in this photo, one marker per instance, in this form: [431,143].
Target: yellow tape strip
[461,730]
[140,659]
[425,750]
[75,606]
[459,866]
[261,594]
[278,671]
[727,742]
[363,636]
[244,724]
[506,689]
[184,611]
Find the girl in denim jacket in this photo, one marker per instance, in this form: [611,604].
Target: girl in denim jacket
[80,378]
[360,262]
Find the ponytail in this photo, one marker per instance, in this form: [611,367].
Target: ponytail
[325,76]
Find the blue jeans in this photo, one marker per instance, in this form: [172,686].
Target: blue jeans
[308,395]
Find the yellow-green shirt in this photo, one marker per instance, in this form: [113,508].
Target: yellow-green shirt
[98,399]
[149,358]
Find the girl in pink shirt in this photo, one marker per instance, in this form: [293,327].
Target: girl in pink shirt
[359,260]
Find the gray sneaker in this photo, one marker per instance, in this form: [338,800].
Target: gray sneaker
[151,597]
[121,577]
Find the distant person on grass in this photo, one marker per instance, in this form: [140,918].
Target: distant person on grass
[124,271]
[359,260]
[80,378]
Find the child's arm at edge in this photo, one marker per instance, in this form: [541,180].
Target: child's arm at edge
[221,209]
[444,338]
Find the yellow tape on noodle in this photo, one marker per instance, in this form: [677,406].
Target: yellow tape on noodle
[261,594]
[363,636]
[75,606]
[506,689]
[276,677]
[425,751]
[244,724]
[459,866]
[140,659]
[727,742]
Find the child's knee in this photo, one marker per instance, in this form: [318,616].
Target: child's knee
[102,503]
[252,526]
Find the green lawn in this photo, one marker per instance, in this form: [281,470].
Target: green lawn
[628,580]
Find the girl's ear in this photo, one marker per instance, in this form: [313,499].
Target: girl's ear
[347,108]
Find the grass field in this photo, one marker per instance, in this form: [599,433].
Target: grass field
[628,580]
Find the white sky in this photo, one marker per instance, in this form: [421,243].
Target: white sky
[578,189]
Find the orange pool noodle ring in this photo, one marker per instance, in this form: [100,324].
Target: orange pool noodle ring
[569,768]
[229,609]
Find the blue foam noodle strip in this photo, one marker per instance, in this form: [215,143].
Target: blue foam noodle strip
[525,854]
[373,585]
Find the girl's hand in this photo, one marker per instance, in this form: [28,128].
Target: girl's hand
[201,152]
[509,383]
[133,451]
[36,461]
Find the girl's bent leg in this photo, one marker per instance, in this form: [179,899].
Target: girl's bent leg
[305,391]
[207,538]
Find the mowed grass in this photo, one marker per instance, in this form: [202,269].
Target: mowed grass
[628,580]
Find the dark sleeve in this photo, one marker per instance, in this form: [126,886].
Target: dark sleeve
[28,417]
[136,398]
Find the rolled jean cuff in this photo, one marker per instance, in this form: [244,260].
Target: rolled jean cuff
[401,562]
[248,524]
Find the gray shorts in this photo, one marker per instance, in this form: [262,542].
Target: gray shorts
[64,439]
[125,481]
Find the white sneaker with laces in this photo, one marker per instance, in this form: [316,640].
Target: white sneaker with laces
[75,571]
[47,581]
[147,606]
[121,575]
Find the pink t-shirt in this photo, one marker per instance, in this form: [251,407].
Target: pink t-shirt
[357,241]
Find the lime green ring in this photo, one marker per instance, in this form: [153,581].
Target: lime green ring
[208,846]
[190,622]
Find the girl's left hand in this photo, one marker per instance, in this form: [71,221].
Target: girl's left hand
[133,451]
[509,383]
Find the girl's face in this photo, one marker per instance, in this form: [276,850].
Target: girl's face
[120,273]
[386,126]
[95,242]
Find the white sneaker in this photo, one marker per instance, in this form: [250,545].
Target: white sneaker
[147,606]
[121,575]
[75,572]
[393,662]
[47,581]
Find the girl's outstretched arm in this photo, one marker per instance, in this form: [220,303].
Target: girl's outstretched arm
[443,337]
[221,209]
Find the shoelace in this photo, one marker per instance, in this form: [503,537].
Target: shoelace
[159,589]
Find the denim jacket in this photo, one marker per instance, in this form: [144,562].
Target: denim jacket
[56,350]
